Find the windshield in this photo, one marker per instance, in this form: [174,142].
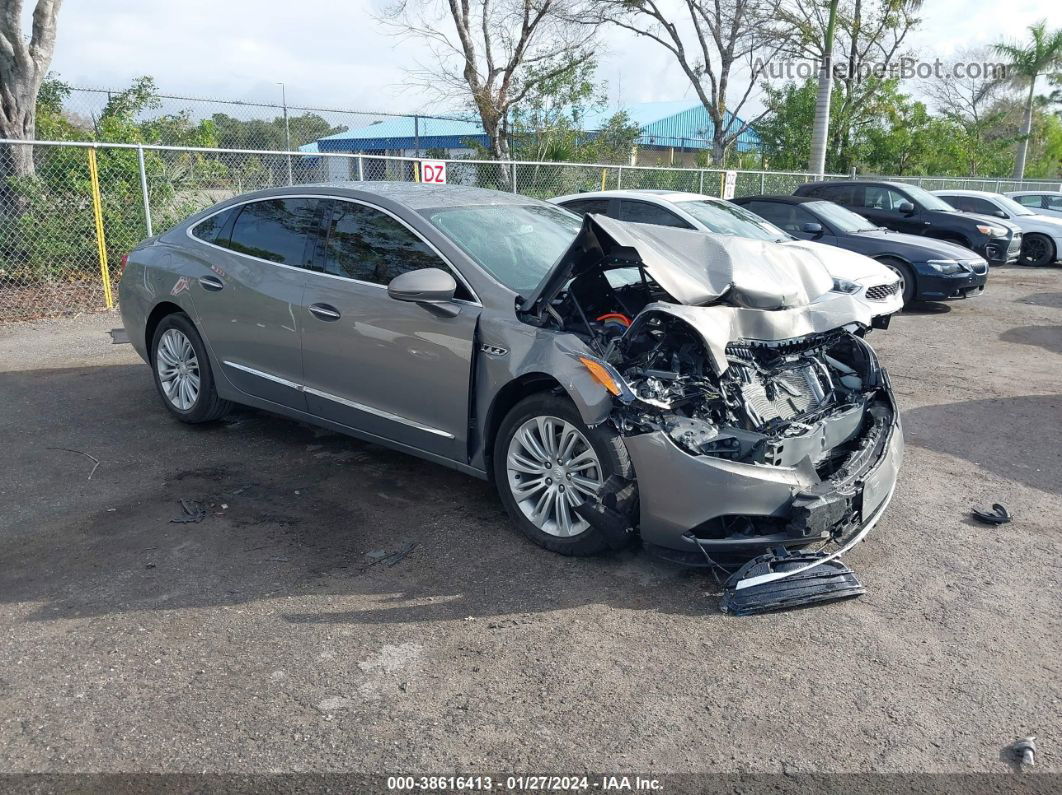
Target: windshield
[728,219]
[516,244]
[927,199]
[839,218]
[1011,206]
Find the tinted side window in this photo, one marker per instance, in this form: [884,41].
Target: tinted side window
[584,206]
[209,228]
[1029,201]
[371,246]
[276,230]
[971,204]
[646,213]
[781,215]
[1053,202]
[842,194]
[878,198]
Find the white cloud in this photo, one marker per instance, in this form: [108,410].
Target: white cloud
[336,55]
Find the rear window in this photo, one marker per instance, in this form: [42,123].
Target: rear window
[276,230]
[586,206]
[209,228]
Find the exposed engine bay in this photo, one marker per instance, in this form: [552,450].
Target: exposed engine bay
[761,405]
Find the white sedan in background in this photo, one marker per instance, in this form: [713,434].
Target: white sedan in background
[1041,242]
[876,284]
[1044,202]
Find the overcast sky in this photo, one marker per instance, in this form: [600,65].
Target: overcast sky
[332,53]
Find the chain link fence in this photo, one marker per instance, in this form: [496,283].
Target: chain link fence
[66,223]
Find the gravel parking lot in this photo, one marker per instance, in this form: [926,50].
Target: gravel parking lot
[276,635]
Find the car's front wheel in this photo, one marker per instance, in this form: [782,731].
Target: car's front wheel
[182,372]
[907,278]
[1037,250]
[546,462]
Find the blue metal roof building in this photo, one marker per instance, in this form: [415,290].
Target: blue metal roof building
[683,125]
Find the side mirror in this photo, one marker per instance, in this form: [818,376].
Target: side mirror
[811,229]
[1000,214]
[433,288]
[906,208]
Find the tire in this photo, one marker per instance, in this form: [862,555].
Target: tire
[611,456]
[903,270]
[178,354]
[1036,251]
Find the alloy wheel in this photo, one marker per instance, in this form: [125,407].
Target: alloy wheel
[178,369]
[552,468]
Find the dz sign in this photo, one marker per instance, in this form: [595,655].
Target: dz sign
[433,172]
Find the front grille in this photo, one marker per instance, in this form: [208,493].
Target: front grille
[978,266]
[879,292]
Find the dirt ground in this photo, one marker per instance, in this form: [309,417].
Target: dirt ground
[274,635]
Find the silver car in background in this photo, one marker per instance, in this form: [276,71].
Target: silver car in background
[615,381]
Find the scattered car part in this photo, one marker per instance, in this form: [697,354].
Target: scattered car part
[1025,750]
[998,515]
[810,579]
[192,511]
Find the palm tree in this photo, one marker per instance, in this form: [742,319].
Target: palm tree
[821,131]
[1025,64]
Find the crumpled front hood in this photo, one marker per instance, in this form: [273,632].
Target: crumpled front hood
[695,267]
[843,264]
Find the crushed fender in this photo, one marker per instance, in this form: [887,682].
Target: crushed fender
[826,582]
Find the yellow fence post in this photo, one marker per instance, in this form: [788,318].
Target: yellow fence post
[416,171]
[604,173]
[722,184]
[101,241]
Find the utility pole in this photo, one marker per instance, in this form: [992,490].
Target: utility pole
[287,129]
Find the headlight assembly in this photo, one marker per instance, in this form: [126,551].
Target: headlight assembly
[991,231]
[845,286]
[945,266]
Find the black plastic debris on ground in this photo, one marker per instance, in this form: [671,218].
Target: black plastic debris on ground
[390,558]
[998,515]
[191,511]
[118,336]
[826,582]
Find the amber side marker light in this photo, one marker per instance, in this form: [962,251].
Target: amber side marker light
[601,375]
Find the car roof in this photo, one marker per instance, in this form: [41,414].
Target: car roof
[890,183]
[1041,192]
[984,194]
[638,193]
[781,198]
[414,195]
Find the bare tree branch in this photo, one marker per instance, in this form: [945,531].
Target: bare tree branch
[495,53]
[710,41]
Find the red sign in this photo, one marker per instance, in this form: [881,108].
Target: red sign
[433,172]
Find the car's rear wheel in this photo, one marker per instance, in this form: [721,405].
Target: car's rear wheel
[907,278]
[182,372]
[546,462]
[1037,250]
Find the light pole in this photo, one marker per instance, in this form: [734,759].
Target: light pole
[287,128]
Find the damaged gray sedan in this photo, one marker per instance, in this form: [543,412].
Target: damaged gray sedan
[711,397]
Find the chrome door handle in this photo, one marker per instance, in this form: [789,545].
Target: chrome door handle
[210,283]
[324,312]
